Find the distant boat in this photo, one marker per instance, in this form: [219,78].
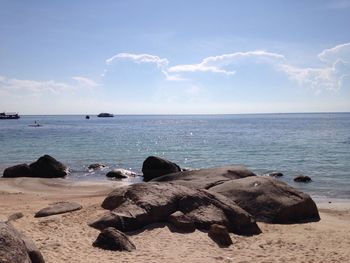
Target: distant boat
[104,114]
[87,117]
[36,124]
[9,116]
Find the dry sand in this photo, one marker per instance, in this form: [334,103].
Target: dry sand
[68,238]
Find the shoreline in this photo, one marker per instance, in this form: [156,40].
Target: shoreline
[68,238]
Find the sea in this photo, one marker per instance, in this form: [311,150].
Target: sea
[312,144]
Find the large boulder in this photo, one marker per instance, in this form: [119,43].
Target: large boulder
[154,167]
[48,167]
[269,200]
[58,208]
[20,170]
[135,206]
[17,248]
[206,178]
[112,239]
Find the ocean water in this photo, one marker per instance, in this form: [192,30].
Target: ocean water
[317,145]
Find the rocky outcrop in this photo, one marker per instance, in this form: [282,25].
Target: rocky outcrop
[154,167]
[135,206]
[20,170]
[269,200]
[17,248]
[206,178]
[58,208]
[48,167]
[120,174]
[302,179]
[112,239]
[220,235]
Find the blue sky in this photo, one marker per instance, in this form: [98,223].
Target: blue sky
[174,57]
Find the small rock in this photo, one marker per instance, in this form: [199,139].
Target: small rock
[274,174]
[15,216]
[181,222]
[95,166]
[302,179]
[120,174]
[220,235]
[58,208]
[113,239]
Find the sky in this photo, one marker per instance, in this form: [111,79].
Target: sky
[174,57]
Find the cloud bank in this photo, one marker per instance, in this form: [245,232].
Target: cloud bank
[329,76]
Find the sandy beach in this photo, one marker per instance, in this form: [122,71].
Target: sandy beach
[68,238]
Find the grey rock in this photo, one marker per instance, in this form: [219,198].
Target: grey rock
[302,179]
[16,247]
[139,205]
[269,200]
[95,166]
[112,239]
[181,222]
[274,174]
[20,170]
[48,167]
[220,235]
[206,178]
[154,167]
[15,216]
[58,208]
[120,174]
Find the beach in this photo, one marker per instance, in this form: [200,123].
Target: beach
[68,238]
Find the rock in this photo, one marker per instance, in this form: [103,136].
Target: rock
[181,222]
[269,200]
[95,166]
[302,179]
[112,239]
[274,174]
[17,248]
[33,252]
[20,170]
[15,216]
[120,174]
[138,205]
[58,208]
[220,235]
[154,167]
[48,167]
[206,178]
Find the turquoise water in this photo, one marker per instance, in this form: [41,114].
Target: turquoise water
[317,145]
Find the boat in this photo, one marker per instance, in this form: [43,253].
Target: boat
[36,124]
[9,116]
[105,114]
[87,117]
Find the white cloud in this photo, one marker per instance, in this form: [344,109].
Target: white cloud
[37,87]
[339,52]
[85,82]
[330,76]
[139,58]
[217,64]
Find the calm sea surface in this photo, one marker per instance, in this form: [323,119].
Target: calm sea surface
[317,145]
